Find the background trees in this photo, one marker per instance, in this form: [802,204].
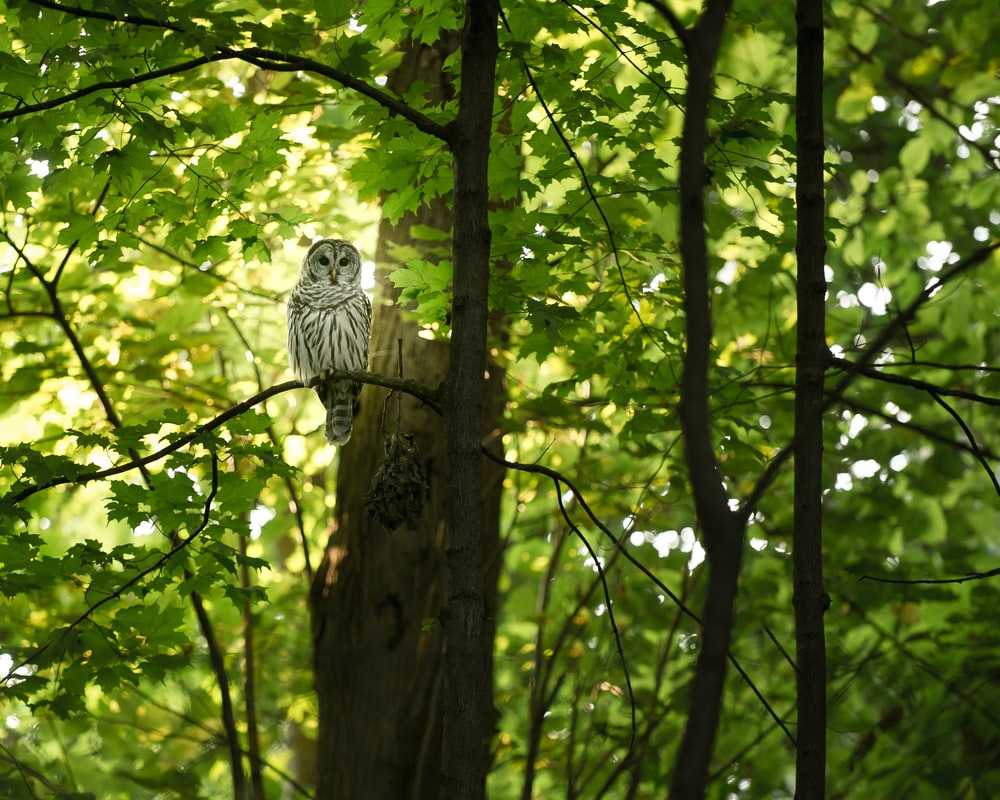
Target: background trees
[163,168]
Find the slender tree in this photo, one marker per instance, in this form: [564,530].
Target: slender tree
[811,361]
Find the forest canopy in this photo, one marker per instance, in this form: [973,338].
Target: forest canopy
[694,299]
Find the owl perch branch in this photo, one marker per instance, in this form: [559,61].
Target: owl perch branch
[427,395]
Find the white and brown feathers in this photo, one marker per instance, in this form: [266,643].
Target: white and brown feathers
[329,323]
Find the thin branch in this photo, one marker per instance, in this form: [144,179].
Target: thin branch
[972,440]
[611,613]
[140,463]
[283,62]
[907,89]
[869,354]
[679,28]
[263,58]
[25,772]
[648,75]
[423,393]
[932,434]
[73,245]
[130,19]
[585,179]
[917,363]
[62,320]
[177,546]
[228,716]
[960,691]
[876,372]
[559,478]
[970,576]
[121,83]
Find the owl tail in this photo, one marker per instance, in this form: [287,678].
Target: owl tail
[339,398]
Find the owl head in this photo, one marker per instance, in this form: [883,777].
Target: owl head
[332,261]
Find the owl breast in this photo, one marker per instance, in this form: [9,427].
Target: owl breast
[323,331]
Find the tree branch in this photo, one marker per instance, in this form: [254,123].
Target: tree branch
[594,199]
[130,19]
[980,457]
[678,27]
[431,398]
[177,546]
[971,576]
[872,371]
[257,56]
[869,354]
[101,86]
[282,62]
[559,478]
[611,612]
[423,393]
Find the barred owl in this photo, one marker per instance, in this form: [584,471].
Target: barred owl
[329,322]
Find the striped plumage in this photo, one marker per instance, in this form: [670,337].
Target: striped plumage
[329,322]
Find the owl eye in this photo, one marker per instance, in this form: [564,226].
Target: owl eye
[324,261]
[344,261]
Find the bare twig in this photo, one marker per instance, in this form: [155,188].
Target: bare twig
[611,612]
[971,576]
[972,440]
[869,354]
[878,373]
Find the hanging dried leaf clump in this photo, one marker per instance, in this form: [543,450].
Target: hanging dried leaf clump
[399,487]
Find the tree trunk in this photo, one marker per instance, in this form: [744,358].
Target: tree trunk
[464,616]
[378,654]
[809,596]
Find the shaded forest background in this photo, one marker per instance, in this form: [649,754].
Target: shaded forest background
[601,259]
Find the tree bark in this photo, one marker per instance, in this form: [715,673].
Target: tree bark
[465,752]
[809,597]
[722,529]
[378,652]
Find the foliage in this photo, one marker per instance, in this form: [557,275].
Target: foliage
[159,175]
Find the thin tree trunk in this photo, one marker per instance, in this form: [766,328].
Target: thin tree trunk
[465,751]
[722,529]
[810,598]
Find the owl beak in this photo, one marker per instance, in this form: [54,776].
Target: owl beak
[333,275]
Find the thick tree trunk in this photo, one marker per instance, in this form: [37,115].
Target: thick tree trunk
[378,648]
